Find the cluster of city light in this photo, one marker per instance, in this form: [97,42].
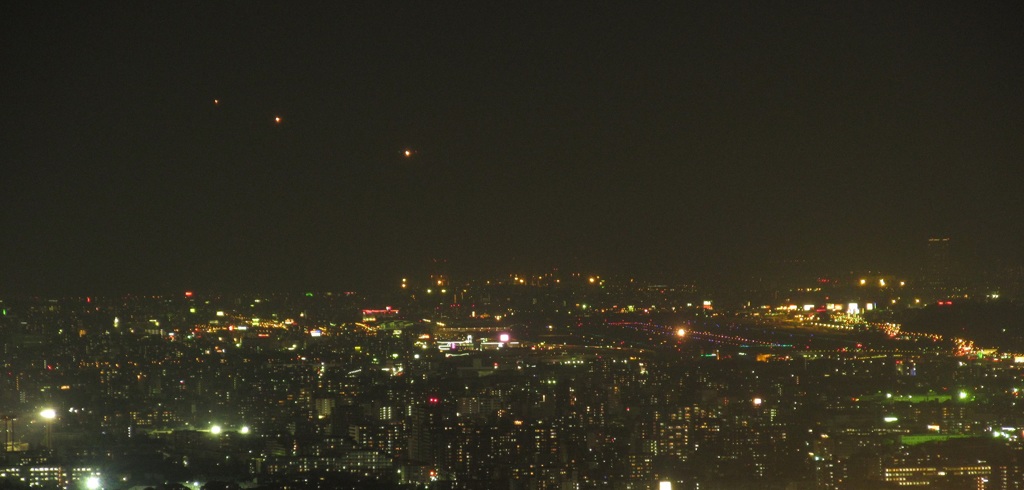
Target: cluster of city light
[244,324]
[881,282]
[964,346]
[893,330]
[216,429]
[1008,433]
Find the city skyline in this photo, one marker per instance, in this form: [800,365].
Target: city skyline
[539,383]
[526,246]
[280,147]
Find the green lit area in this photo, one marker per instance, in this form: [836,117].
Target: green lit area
[922,398]
[926,438]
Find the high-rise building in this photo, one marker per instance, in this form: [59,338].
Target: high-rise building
[938,268]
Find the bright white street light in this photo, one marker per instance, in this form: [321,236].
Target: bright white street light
[215,430]
[48,414]
[92,483]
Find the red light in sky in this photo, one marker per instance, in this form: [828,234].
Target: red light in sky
[188,294]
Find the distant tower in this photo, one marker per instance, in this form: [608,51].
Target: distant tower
[439,272]
[938,267]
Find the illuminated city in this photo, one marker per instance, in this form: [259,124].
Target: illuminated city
[524,381]
[512,246]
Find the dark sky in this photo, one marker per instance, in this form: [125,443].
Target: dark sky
[620,138]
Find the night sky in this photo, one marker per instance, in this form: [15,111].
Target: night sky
[668,141]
